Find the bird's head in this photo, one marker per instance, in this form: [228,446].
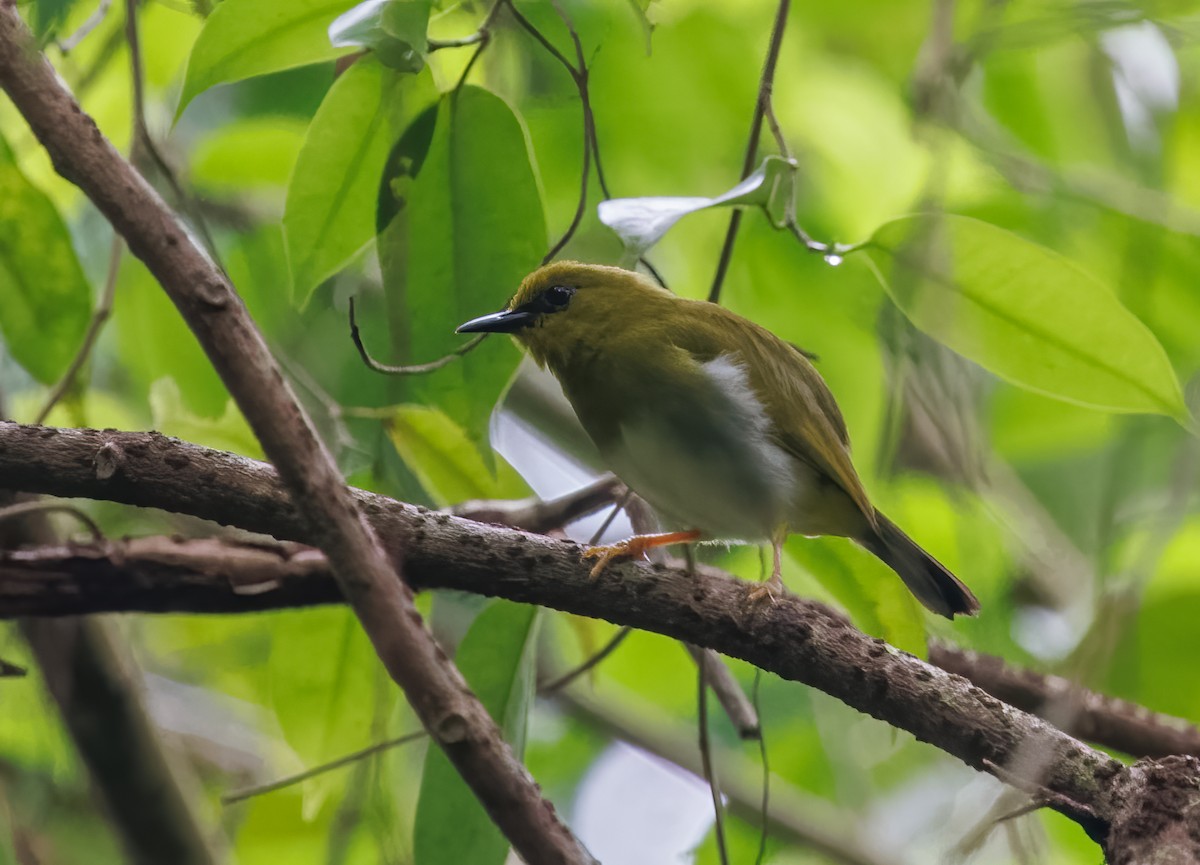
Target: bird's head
[566,304]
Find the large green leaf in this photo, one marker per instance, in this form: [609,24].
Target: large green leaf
[467,227]
[326,684]
[497,659]
[1025,313]
[45,301]
[244,38]
[448,464]
[330,211]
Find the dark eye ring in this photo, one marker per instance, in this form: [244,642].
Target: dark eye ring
[558,295]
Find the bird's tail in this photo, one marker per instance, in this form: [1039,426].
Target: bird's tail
[926,577]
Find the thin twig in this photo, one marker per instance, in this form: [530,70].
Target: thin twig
[143,142]
[461,42]
[99,317]
[485,38]
[571,675]
[287,781]
[706,758]
[411,369]
[66,46]
[760,106]
[766,771]
[725,688]
[41,506]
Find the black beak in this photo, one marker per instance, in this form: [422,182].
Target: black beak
[505,321]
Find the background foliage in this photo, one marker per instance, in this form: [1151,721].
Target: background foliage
[1050,149]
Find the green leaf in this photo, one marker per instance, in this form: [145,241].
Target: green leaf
[1025,313]
[641,222]
[248,154]
[447,463]
[45,301]
[394,29]
[329,214]
[497,659]
[468,226]
[229,432]
[871,593]
[326,684]
[244,38]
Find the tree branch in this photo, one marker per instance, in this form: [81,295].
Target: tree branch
[796,639]
[383,604]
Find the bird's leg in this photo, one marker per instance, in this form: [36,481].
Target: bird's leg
[633,547]
[774,585]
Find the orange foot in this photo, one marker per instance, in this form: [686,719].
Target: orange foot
[634,547]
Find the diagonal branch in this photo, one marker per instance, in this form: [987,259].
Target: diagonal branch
[796,639]
[212,309]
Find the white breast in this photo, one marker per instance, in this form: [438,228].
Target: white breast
[710,464]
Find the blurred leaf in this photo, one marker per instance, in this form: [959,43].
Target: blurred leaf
[45,301]
[229,432]
[329,215]
[1025,313]
[641,222]
[49,16]
[394,29]
[154,342]
[244,38]
[497,658]
[869,590]
[470,228]
[448,464]
[248,154]
[324,676]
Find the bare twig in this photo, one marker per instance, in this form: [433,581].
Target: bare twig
[245,793]
[760,106]
[99,316]
[557,684]
[409,369]
[710,775]
[21,509]
[66,46]
[728,693]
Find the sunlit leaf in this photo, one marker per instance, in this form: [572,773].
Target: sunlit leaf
[330,209]
[464,230]
[45,301]
[244,38]
[497,658]
[1025,313]
[641,222]
[448,464]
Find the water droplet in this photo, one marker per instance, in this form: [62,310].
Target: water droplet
[833,259]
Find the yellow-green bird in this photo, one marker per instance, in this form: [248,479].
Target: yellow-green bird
[728,432]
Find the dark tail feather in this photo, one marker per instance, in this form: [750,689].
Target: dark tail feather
[926,577]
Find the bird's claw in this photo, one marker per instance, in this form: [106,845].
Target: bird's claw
[609,553]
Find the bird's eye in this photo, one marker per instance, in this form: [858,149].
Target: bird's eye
[558,296]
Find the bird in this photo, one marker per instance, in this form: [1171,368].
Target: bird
[726,430]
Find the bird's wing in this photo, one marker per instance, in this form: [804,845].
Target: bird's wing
[807,422]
